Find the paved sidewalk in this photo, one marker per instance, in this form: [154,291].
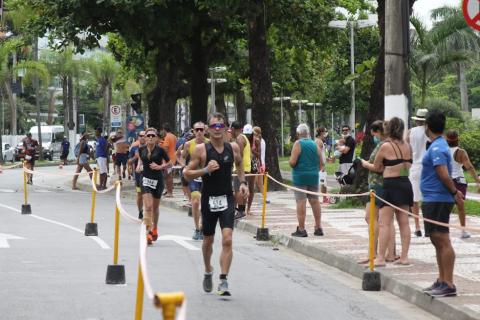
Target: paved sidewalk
[346,241]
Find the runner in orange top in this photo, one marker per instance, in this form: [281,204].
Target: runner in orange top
[169,143]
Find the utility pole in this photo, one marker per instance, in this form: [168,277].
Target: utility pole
[396,57]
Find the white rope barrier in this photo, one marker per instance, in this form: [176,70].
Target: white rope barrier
[346,195]
[124,212]
[426,219]
[110,188]
[143,262]
[17,165]
[55,174]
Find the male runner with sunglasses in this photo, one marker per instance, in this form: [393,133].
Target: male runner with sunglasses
[195,186]
[213,161]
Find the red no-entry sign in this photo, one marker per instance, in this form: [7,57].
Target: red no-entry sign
[471,12]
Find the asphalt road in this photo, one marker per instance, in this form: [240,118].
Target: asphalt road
[55,272]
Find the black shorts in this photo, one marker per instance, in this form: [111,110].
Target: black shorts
[209,219]
[398,191]
[156,191]
[121,159]
[437,211]
[63,156]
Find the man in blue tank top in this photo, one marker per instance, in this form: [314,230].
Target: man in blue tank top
[213,161]
[306,161]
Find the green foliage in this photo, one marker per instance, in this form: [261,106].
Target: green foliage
[449,108]
[472,208]
[287,148]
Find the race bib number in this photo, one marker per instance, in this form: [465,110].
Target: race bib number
[217,204]
[150,183]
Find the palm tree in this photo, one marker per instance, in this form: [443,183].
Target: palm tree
[454,35]
[104,69]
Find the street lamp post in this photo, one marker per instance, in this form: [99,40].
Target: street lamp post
[281,99]
[314,104]
[299,108]
[343,24]
[213,81]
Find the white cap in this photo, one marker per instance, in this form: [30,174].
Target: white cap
[247,129]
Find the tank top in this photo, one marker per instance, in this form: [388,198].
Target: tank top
[418,141]
[306,170]
[193,144]
[157,155]
[457,168]
[247,157]
[218,182]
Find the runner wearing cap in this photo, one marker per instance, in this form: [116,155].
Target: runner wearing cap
[195,185]
[244,145]
[418,140]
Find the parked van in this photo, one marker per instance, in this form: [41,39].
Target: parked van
[51,139]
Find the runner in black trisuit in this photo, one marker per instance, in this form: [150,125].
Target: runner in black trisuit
[213,162]
[153,159]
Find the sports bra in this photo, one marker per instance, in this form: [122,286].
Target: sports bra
[394,162]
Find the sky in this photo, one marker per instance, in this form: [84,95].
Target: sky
[422,8]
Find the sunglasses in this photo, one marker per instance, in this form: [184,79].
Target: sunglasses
[151,135]
[198,129]
[217,126]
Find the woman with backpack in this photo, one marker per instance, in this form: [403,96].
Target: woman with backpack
[82,154]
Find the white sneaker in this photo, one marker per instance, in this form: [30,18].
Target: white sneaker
[465,235]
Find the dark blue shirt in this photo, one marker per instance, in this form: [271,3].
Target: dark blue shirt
[65,147]
[433,190]
[101,147]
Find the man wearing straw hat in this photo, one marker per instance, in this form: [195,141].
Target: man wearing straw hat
[417,139]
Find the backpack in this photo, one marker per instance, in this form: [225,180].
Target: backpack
[76,151]
[347,179]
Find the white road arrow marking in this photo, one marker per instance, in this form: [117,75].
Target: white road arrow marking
[5,237]
[181,240]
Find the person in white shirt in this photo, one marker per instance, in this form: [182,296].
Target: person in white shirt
[418,140]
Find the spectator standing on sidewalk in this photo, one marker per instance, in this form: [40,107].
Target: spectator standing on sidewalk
[394,158]
[82,160]
[439,196]
[101,153]
[169,143]
[320,141]
[121,154]
[245,150]
[347,151]
[461,160]
[417,139]
[255,166]
[306,161]
[64,151]
[375,183]
[134,155]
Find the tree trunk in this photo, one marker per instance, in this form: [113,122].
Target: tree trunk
[261,85]
[462,82]
[220,104]
[199,75]
[51,106]
[12,102]
[241,106]
[377,102]
[292,119]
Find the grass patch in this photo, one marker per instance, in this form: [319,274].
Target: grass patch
[284,166]
[472,208]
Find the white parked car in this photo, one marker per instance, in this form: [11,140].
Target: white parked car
[8,152]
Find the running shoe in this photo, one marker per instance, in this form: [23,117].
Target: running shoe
[197,235]
[154,234]
[465,235]
[239,214]
[435,285]
[149,238]
[418,233]
[300,233]
[140,215]
[443,291]
[318,232]
[223,288]
[207,282]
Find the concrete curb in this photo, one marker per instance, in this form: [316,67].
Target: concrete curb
[408,292]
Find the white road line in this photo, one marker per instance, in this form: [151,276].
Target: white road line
[98,240]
